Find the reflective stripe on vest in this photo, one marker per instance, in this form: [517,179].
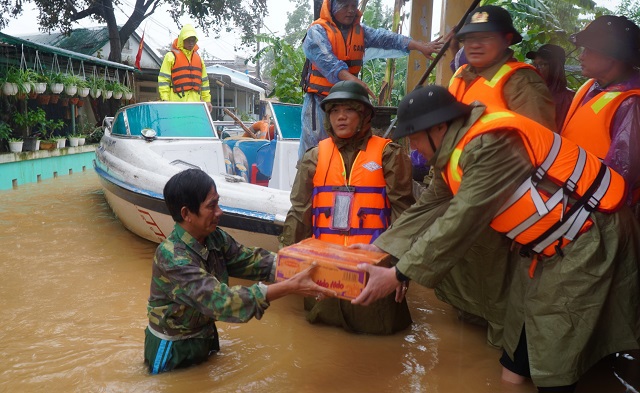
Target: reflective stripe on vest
[370,208]
[351,50]
[186,75]
[542,223]
[589,125]
[490,92]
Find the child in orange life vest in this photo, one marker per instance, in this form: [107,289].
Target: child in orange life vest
[348,189]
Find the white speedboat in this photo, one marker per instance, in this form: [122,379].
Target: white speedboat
[145,144]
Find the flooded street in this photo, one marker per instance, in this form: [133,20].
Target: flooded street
[75,284]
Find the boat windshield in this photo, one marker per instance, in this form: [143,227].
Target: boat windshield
[169,120]
[288,119]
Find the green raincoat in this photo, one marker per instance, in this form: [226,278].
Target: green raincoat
[385,316]
[575,310]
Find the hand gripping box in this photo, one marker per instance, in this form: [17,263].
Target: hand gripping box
[337,265]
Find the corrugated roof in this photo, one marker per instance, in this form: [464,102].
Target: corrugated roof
[83,40]
[62,52]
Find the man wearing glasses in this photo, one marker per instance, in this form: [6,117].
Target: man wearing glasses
[492,75]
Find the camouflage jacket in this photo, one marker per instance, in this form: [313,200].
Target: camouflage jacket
[189,284]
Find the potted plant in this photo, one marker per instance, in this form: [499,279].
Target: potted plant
[74,140]
[51,141]
[83,87]
[40,83]
[15,145]
[96,85]
[71,83]
[56,82]
[9,88]
[116,89]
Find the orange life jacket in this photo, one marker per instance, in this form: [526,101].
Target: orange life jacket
[490,92]
[351,50]
[589,125]
[545,223]
[185,74]
[369,212]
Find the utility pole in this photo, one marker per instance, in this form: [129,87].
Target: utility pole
[258,51]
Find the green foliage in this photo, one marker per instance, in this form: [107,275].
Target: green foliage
[551,21]
[49,126]
[630,9]
[71,79]
[285,74]
[30,118]
[5,131]
[56,77]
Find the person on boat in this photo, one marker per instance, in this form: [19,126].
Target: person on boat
[330,59]
[492,75]
[564,311]
[604,116]
[190,288]
[263,129]
[183,75]
[549,60]
[347,190]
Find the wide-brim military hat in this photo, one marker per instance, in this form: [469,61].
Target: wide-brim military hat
[347,91]
[613,36]
[548,52]
[426,107]
[489,18]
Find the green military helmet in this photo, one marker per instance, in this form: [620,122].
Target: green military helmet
[347,91]
[426,107]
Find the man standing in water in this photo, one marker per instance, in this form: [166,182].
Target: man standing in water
[190,278]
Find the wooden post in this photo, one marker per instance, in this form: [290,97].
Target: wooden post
[421,15]
[453,10]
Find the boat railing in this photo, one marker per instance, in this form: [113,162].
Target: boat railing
[180,162]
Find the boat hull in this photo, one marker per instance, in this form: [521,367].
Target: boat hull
[147,216]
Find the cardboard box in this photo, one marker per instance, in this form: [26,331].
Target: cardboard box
[337,265]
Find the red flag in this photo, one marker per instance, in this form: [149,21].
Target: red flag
[139,54]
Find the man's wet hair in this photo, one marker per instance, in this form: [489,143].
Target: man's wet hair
[188,188]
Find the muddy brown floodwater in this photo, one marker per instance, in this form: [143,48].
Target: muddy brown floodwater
[74,289]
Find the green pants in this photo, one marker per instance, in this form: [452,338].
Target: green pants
[163,355]
[385,316]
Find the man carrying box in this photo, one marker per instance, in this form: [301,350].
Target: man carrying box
[190,278]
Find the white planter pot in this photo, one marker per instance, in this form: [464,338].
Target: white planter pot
[95,93]
[40,87]
[10,89]
[107,94]
[27,87]
[81,141]
[15,147]
[73,142]
[71,89]
[61,142]
[83,91]
[127,96]
[117,95]
[56,88]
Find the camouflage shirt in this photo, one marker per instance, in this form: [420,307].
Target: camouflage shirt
[189,284]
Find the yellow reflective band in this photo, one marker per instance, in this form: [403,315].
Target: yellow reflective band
[496,115]
[604,100]
[496,78]
[453,164]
